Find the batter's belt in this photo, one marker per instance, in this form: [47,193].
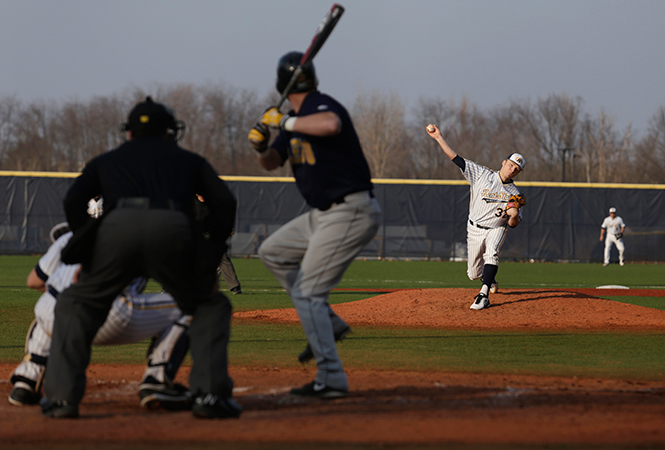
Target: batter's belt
[342,199]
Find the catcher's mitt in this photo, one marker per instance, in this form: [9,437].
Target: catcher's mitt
[618,235]
[516,201]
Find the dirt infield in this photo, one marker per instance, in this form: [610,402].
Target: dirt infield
[389,407]
[512,309]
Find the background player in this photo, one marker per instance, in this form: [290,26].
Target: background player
[614,226]
[225,269]
[491,210]
[134,317]
[309,254]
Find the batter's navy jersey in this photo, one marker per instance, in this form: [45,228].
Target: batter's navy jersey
[326,168]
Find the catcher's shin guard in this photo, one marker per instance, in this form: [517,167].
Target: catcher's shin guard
[31,371]
[167,352]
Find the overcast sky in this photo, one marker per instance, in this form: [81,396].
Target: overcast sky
[608,52]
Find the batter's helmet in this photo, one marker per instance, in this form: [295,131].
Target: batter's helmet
[287,65]
[150,118]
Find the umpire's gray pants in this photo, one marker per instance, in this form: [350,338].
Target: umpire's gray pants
[309,256]
[133,242]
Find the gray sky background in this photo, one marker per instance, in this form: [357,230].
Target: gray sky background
[608,52]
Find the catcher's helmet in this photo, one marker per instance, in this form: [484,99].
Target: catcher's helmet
[287,65]
[58,230]
[150,118]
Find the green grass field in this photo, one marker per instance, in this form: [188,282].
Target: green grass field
[611,355]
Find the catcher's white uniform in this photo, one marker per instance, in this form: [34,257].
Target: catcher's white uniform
[488,221]
[133,317]
[613,227]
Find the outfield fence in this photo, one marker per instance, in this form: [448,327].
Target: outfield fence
[422,219]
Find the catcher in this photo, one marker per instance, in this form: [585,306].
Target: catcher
[134,317]
[496,204]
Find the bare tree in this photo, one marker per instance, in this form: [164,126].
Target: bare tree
[605,153]
[469,133]
[82,131]
[510,133]
[9,109]
[554,124]
[63,137]
[32,146]
[231,115]
[650,151]
[379,122]
[428,160]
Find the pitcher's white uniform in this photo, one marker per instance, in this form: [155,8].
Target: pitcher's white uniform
[488,222]
[133,317]
[612,227]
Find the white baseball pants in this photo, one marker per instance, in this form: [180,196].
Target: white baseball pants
[483,247]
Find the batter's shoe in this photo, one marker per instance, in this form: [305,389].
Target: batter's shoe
[494,287]
[307,354]
[173,397]
[59,409]
[23,394]
[317,390]
[211,406]
[481,302]
[236,290]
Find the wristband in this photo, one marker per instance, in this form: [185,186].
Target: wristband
[289,123]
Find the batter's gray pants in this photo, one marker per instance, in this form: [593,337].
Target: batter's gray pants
[309,256]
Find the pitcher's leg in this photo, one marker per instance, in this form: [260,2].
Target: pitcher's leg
[475,248]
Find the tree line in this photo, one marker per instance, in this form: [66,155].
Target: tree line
[559,139]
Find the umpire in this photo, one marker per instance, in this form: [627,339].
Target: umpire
[149,185]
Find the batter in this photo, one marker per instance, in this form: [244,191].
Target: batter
[310,254]
[492,210]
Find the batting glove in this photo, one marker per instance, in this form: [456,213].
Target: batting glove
[275,119]
[258,137]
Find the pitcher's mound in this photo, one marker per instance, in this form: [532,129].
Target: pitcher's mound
[511,309]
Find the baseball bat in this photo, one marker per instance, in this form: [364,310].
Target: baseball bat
[322,33]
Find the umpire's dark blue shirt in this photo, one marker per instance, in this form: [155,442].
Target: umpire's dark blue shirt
[329,167]
[158,169]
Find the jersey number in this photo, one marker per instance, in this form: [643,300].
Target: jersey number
[500,212]
[301,152]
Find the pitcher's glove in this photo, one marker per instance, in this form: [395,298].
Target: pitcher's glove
[516,201]
[618,235]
